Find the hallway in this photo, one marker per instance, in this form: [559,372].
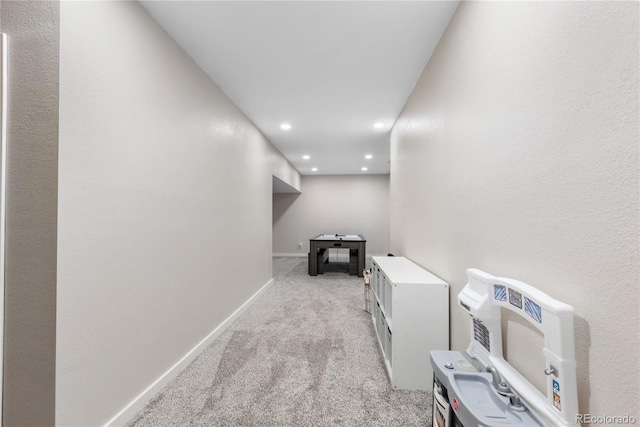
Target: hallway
[140,198]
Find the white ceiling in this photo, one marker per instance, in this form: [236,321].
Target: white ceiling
[331,69]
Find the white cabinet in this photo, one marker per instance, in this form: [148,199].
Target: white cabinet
[411,317]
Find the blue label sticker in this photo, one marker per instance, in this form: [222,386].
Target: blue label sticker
[533,310]
[499,292]
[556,386]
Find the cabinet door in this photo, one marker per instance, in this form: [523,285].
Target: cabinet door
[389,346]
[383,339]
[388,298]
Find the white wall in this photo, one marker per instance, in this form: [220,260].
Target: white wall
[517,153]
[345,204]
[165,195]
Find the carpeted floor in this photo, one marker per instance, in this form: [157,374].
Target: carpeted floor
[304,354]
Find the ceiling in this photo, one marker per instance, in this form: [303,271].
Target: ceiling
[330,69]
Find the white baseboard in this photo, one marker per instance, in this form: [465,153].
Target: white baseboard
[293,254]
[141,400]
[341,256]
[333,255]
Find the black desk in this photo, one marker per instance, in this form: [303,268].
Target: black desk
[354,242]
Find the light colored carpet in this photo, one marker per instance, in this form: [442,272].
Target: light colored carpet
[304,354]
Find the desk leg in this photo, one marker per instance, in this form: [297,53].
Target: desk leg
[361,255]
[313,259]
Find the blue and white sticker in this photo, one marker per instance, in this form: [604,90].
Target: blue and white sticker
[499,292]
[533,310]
[556,395]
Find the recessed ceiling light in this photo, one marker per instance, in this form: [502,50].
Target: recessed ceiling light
[364,169]
[285,126]
[314,169]
[368,156]
[378,125]
[306,157]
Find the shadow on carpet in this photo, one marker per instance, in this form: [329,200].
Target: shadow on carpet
[304,354]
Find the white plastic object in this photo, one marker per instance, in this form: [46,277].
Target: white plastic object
[483,297]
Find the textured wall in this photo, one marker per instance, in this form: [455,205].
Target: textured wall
[164,208]
[32,153]
[517,153]
[353,204]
